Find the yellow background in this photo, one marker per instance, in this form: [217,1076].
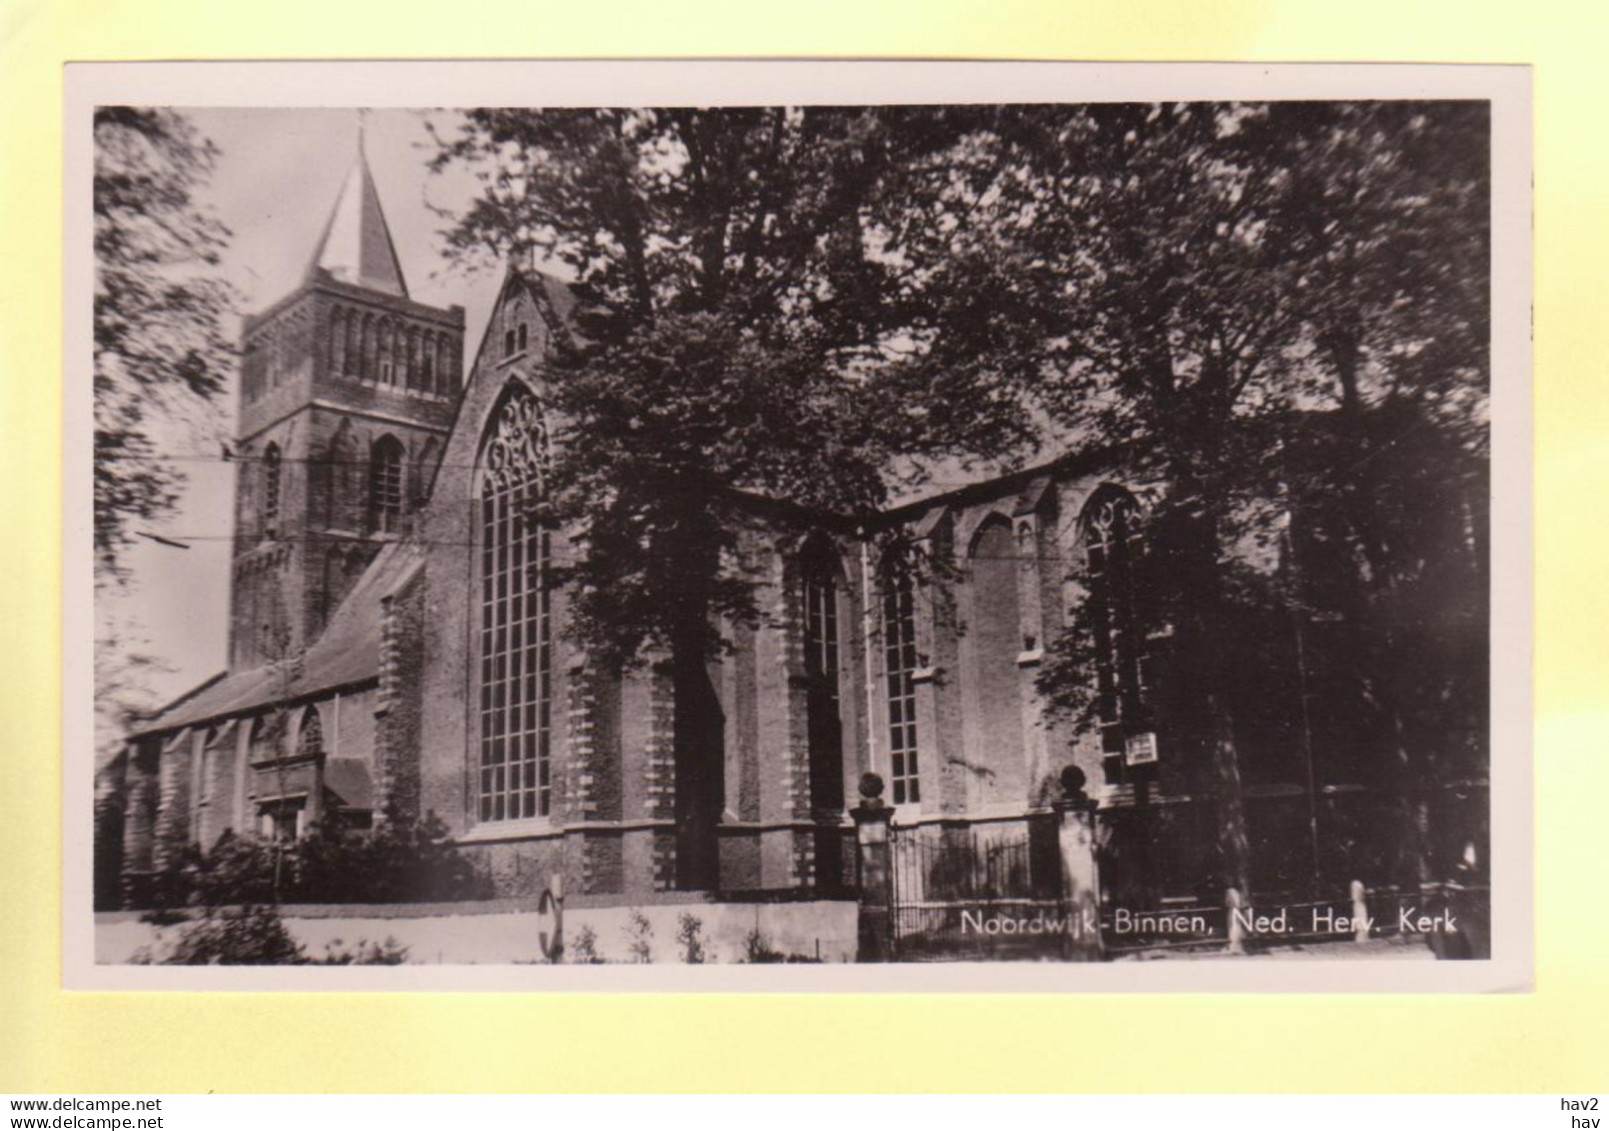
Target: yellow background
[1556,1039]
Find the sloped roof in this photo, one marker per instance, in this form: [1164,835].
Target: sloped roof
[349,779]
[346,654]
[356,244]
[550,293]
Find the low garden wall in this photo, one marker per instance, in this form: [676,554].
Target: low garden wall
[503,932]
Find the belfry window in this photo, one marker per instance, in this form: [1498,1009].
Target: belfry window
[1112,547]
[352,352]
[516,634]
[387,372]
[271,491]
[900,665]
[385,485]
[338,342]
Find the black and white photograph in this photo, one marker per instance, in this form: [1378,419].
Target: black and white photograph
[989,534]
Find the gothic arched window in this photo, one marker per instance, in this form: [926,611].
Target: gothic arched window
[516,638]
[1112,548]
[262,742]
[819,574]
[900,665]
[271,491]
[385,484]
[310,738]
[989,648]
[428,379]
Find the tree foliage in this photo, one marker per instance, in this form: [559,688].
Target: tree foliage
[1273,315]
[161,307]
[745,290]
[397,861]
[1282,311]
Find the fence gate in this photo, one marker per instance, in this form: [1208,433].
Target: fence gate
[976,893]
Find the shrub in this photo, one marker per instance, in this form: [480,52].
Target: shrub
[396,862]
[238,870]
[174,885]
[164,916]
[252,936]
[639,937]
[256,935]
[690,937]
[365,953]
[584,948]
[758,951]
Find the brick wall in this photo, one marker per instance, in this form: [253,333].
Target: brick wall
[398,701]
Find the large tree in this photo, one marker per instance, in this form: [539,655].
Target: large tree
[161,308]
[798,301]
[1152,289]
[1389,208]
[746,282]
[1201,283]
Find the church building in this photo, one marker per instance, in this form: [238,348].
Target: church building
[394,651]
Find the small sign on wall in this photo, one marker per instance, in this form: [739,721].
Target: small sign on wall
[1140,749]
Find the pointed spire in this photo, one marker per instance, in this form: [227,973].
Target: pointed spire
[356,245]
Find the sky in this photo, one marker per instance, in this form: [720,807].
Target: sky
[276,180]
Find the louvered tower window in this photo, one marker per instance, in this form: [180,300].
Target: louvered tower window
[271,491]
[385,485]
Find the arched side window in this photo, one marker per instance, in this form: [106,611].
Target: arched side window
[991,691]
[262,743]
[516,640]
[523,338]
[427,380]
[1112,549]
[310,736]
[508,343]
[271,491]
[385,485]
[209,766]
[424,465]
[900,665]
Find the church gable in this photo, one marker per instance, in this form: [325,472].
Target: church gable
[522,324]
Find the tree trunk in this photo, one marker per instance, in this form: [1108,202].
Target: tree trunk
[1373,610]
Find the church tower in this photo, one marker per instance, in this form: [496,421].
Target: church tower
[348,388]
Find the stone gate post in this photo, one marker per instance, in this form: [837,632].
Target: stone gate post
[1081,881]
[874,873]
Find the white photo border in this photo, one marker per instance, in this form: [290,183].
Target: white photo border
[725,82]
